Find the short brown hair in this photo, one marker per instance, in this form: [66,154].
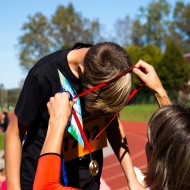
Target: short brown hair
[104,61]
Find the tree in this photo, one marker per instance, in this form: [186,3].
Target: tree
[137,33]
[69,27]
[180,27]
[36,41]
[42,36]
[134,53]
[174,72]
[123,30]
[13,95]
[149,53]
[151,25]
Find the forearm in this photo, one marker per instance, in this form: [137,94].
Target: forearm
[128,169]
[59,108]
[162,97]
[13,149]
[127,165]
[54,137]
[118,141]
[125,160]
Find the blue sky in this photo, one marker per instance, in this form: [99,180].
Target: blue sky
[14,13]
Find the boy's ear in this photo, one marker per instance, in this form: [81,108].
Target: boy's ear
[80,72]
[80,69]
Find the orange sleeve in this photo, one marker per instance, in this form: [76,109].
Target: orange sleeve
[48,173]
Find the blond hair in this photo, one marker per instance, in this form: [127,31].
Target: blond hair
[103,62]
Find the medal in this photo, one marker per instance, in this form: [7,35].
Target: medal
[93,167]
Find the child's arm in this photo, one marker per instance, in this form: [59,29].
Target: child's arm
[118,142]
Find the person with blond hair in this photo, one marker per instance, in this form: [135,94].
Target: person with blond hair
[50,158]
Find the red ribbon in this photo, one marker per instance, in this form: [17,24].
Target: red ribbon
[95,88]
[104,83]
[81,131]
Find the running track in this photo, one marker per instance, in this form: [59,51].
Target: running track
[112,173]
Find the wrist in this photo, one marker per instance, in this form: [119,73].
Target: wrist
[160,92]
[162,97]
[60,121]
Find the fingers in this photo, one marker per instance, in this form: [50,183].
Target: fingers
[143,69]
[148,75]
[139,73]
[61,99]
[143,66]
[60,105]
[140,63]
[145,72]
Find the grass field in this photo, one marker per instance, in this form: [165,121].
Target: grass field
[2,141]
[139,113]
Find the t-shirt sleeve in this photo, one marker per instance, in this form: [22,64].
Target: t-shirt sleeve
[30,99]
[48,173]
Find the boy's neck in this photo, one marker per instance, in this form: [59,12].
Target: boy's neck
[75,59]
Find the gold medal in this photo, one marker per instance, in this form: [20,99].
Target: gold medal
[93,167]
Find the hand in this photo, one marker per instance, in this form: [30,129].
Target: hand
[150,78]
[148,75]
[136,186]
[60,106]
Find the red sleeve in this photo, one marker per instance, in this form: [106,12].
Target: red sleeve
[48,174]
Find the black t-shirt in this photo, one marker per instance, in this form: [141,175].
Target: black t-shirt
[31,110]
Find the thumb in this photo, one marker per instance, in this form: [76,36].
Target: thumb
[73,102]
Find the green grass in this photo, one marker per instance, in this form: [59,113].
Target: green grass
[141,112]
[2,135]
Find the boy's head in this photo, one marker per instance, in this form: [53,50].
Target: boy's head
[103,62]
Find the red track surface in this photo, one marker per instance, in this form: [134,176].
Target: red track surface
[136,136]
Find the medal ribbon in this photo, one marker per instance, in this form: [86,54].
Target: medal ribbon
[78,121]
[81,131]
[104,83]
[95,88]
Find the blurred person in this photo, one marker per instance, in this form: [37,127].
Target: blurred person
[4,121]
[3,185]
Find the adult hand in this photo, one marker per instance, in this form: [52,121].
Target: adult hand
[150,78]
[60,106]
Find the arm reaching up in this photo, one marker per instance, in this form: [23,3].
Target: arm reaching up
[49,164]
[150,78]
